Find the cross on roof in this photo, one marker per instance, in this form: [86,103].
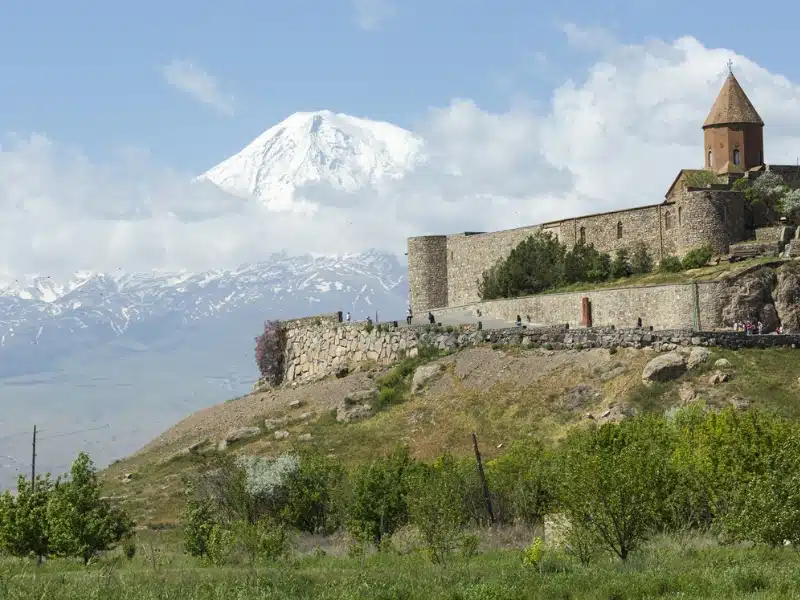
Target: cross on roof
[730,66]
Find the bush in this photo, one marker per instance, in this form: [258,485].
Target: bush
[533,554]
[379,501]
[641,261]
[670,264]
[269,352]
[436,508]
[198,523]
[23,518]
[699,257]
[310,494]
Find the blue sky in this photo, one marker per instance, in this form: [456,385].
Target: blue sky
[90,74]
[545,111]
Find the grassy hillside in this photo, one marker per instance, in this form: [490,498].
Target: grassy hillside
[501,394]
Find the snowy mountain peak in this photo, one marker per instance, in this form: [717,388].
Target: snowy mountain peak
[347,153]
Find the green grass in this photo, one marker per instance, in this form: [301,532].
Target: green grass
[662,571]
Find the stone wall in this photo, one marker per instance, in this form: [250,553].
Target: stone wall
[660,306]
[709,216]
[322,348]
[317,348]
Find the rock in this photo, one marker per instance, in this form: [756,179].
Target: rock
[613,373]
[295,404]
[605,414]
[281,435]
[236,435]
[687,393]
[422,375]
[580,396]
[723,363]
[787,297]
[273,424]
[304,437]
[352,413]
[747,296]
[359,397]
[222,445]
[127,477]
[306,416]
[197,446]
[697,357]
[664,367]
[718,377]
[739,403]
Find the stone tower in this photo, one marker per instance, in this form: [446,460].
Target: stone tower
[733,133]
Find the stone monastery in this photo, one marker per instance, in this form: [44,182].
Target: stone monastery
[443,270]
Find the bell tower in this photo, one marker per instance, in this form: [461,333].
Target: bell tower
[733,133]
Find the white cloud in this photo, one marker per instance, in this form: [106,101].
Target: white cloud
[196,82]
[371,14]
[615,139]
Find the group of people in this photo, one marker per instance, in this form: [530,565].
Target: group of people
[751,328]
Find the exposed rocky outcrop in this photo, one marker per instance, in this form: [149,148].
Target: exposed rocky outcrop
[665,367]
[580,397]
[355,406]
[787,297]
[422,375]
[771,296]
[697,357]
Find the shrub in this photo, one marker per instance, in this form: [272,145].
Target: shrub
[198,523]
[310,494]
[698,257]
[23,518]
[585,263]
[436,508]
[129,547]
[378,505]
[670,264]
[533,554]
[641,261]
[269,352]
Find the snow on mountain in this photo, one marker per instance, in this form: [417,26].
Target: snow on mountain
[345,152]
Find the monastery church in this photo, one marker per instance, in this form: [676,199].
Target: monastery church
[443,270]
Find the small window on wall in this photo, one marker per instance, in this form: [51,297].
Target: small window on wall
[583,235]
[709,159]
[725,215]
[619,230]
[451,255]
[680,216]
[736,156]
[667,220]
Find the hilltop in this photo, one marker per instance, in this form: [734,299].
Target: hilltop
[501,393]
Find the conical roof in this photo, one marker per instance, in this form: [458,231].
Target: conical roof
[732,106]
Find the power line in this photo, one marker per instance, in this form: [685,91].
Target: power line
[57,435]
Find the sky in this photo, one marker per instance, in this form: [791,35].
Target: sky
[108,110]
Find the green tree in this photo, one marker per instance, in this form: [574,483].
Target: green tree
[379,501]
[535,265]
[198,523]
[436,507]
[620,267]
[80,521]
[523,479]
[698,257]
[310,496]
[641,261]
[23,522]
[616,481]
[585,263]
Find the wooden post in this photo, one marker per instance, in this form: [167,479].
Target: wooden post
[586,312]
[482,475]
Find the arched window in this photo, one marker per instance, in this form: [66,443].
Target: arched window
[619,230]
[725,214]
[583,235]
[680,216]
[736,156]
[709,159]
[667,220]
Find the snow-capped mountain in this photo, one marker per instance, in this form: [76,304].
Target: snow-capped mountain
[344,152]
[132,353]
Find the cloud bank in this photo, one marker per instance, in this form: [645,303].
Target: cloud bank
[614,139]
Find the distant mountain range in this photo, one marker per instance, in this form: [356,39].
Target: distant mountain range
[137,351]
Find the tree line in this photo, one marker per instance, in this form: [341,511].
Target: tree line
[735,474]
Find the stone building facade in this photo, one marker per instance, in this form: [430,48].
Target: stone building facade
[444,270]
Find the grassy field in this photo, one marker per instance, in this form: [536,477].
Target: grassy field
[699,570]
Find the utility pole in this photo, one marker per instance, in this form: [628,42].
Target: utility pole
[33,462]
[482,475]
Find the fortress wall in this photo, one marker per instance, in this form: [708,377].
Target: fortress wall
[710,216]
[790,174]
[427,272]
[601,230]
[468,256]
[659,306]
